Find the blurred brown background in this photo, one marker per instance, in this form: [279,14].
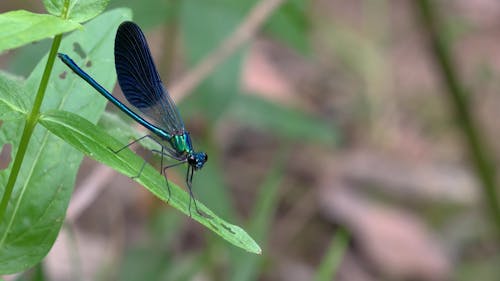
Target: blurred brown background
[342,141]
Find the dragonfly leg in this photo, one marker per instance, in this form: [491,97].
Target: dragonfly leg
[147,159]
[166,179]
[165,151]
[140,171]
[189,182]
[191,196]
[137,140]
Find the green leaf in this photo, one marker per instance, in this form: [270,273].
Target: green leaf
[21,27]
[123,131]
[79,11]
[291,24]
[36,208]
[12,97]
[92,49]
[96,143]
[40,197]
[25,58]
[286,122]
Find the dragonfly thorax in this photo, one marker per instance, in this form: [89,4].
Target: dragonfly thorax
[197,159]
[181,143]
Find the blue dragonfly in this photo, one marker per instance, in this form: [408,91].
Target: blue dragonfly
[143,88]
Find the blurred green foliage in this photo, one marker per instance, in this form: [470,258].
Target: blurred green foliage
[202,26]
[41,193]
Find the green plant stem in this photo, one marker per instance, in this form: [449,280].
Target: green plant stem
[458,97]
[29,126]
[246,267]
[170,39]
[331,262]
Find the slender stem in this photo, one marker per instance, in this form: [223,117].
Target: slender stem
[458,95]
[170,39]
[247,29]
[333,257]
[29,126]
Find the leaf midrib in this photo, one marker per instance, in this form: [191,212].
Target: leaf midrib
[25,186]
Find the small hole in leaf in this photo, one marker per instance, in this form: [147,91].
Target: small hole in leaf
[63,75]
[79,50]
[89,63]
[5,156]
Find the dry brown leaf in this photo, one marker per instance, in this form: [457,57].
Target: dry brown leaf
[396,243]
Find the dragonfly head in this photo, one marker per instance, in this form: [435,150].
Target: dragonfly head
[197,160]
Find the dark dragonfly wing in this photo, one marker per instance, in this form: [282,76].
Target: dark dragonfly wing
[140,81]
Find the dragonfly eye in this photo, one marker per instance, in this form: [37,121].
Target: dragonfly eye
[191,160]
[197,160]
